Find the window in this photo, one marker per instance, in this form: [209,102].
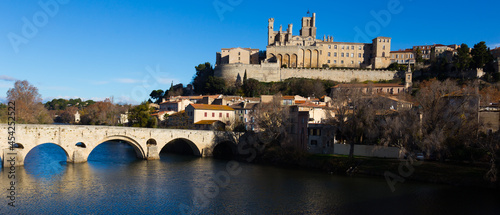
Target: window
[347,47]
[335,61]
[335,54]
[220,115]
[320,52]
[239,53]
[383,47]
[352,54]
[227,115]
[335,46]
[342,46]
[359,55]
[329,47]
[411,55]
[397,56]
[359,62]
[342,54]
[352,47]
[359,47]
[205,114]
[213,114]
[328,61]
[329,54]
[342,62]
[352,62]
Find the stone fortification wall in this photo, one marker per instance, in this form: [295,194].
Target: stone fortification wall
[340,75]
[265,72]
[269,72]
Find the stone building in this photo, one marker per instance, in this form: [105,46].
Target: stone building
[300,56]
[204,112]
[306,51]
[403,56]
[238,55]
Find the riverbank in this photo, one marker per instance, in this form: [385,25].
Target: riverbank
[456,174]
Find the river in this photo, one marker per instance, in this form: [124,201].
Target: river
[113,181]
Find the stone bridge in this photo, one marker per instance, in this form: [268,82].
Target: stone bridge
[79,141]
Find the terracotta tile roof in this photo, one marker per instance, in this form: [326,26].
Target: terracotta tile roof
[309,105]
[211,107]
[159,113]
[178,113]
[206,122]
[402,51]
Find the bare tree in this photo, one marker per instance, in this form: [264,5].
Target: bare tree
[29,107]
[491,144]
[449,115]
[355,115]
[401,129]
[272,121]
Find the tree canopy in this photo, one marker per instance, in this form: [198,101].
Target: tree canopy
[28,103]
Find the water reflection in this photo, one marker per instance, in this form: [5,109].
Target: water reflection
[46,161]
[114,181]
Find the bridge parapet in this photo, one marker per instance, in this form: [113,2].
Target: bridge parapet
[78,141]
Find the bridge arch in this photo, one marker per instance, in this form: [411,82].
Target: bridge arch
[26,152]
[151,142]
[225,150]
[139,150]
[194,148]
[81,145]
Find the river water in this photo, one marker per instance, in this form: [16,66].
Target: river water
[113,181]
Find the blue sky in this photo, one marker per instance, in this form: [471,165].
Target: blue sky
[97,49]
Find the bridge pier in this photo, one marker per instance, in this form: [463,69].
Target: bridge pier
[77,157]
[12,158]
[153,153]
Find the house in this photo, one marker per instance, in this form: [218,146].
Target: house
[321,139]
[317,113]
[203,112]
[243,113]
[77,117]
[393,103]
[388,88]
[175,105]
[403,56]
[298,128]
[123,118]
[489,116]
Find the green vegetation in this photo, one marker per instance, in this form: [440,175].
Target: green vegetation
[62,104]
[140,116]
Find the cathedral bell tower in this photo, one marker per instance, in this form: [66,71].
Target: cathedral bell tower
[408,78]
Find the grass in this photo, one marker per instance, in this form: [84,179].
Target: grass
[427,171]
